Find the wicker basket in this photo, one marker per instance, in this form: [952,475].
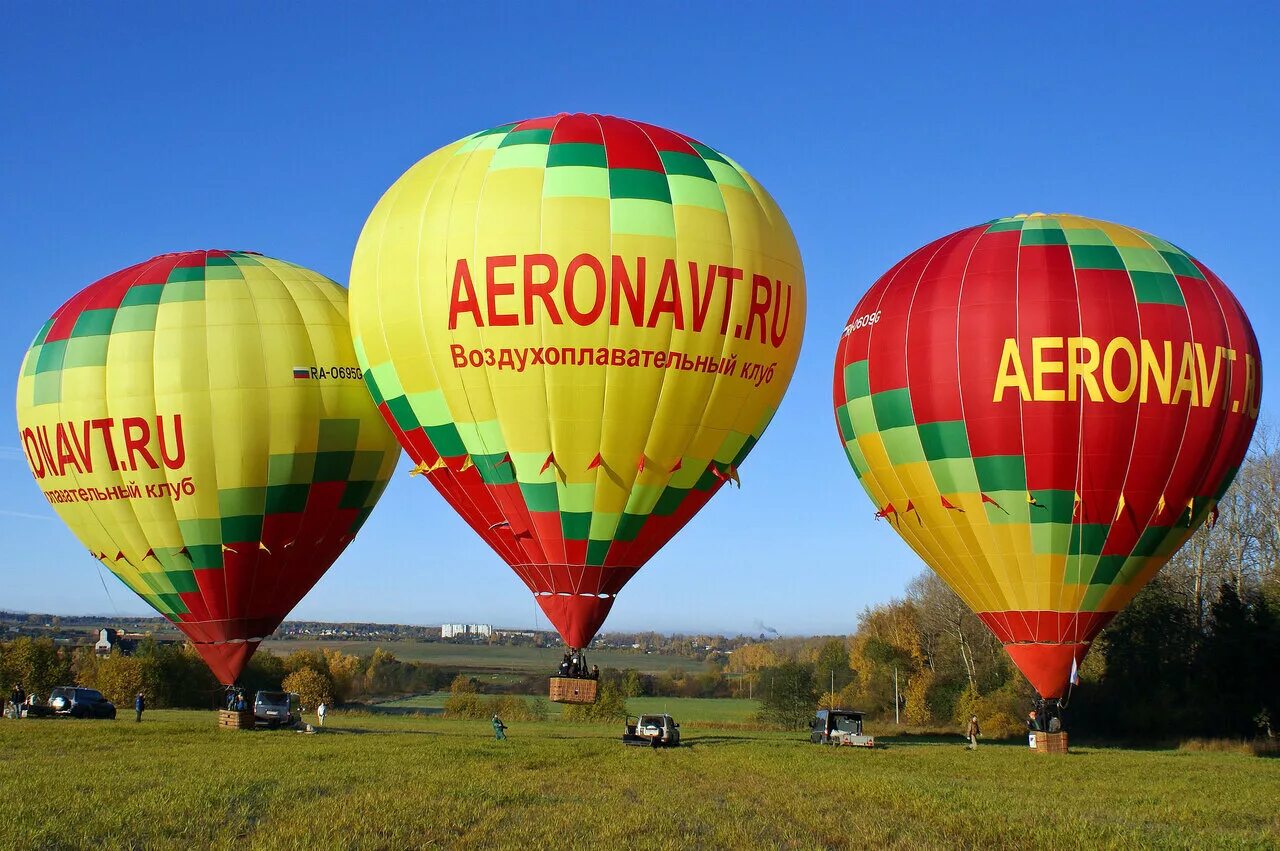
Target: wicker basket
[572,690]
[236,720]
[1049,742]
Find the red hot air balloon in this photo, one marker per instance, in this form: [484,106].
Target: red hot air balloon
[1045,408]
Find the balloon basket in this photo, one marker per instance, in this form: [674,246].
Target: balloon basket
[231,720]
[572,690]
[1047,742]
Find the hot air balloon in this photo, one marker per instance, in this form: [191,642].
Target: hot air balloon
[1045,407]
[578,327]
[199,422]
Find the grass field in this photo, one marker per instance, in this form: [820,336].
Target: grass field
[176,781]
[683,709]
[482,657]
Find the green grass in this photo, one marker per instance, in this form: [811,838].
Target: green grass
[483,657]
[683,709]
[176,781]
[697,709]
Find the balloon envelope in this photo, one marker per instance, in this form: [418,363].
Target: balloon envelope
[199,422]
[578,327]
[1045,408]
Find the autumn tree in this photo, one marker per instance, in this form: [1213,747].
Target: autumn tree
[463,700]
[37,663]
[342,668]
[312,687]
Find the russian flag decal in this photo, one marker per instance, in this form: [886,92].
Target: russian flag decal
[301,372]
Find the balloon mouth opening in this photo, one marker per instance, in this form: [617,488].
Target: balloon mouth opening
[1049,667]
[230,641]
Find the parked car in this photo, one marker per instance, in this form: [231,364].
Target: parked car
[839,727]
[80,703]
[276,709]
[652,730]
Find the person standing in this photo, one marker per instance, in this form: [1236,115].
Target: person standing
[139,704]
[499,729]
[320,711]
[973,732]
[18,697]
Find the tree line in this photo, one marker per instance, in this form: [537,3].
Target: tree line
[174,675]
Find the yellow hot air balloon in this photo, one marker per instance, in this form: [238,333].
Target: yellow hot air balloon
[578,327]
[199,422]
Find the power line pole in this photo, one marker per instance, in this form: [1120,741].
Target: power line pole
[895,695]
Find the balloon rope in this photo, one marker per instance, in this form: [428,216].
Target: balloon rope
[108,593]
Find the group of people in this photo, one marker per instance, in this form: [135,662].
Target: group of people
[1036,723]
[236,701]
[574,664]
[18,698]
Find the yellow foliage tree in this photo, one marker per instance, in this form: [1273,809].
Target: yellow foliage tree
[753,657]
[916,712]
[120,678]
[343,669]
[888,637]
[311,686]
[463,701]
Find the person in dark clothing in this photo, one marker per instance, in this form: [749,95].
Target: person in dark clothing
[499,729]
[1033,722]
[19,697]
[139,704]
[564,666]
[595,672]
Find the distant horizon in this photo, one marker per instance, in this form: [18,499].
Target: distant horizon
[494,624]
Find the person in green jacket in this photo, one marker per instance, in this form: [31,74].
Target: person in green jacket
[499,729]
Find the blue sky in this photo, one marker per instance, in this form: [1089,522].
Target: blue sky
[134,129]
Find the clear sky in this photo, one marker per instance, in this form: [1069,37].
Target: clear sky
[130,130]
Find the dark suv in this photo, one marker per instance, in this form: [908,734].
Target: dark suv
[276,708]
[80,703]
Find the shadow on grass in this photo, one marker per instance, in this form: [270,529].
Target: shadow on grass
[714,741]
[910,740]
[395,711]
[364,731]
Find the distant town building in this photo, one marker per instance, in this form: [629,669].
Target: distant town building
[126,642]
[465,630]
[110,639]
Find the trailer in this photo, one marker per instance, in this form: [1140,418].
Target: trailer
[839,727]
